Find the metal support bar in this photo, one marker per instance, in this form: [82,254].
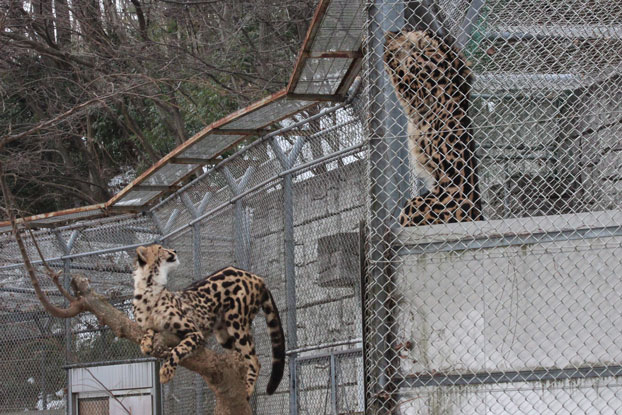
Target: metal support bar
[536,375]
[324,355]
[333,383]
[195,212]
[387,158]
[164,229]
[241,223]
[66,248]
[544,32]
[287,162]
[29,291]
[494,241]
[324,346]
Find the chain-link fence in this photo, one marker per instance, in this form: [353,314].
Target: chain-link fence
[287,207]
[492,130]
[502,293]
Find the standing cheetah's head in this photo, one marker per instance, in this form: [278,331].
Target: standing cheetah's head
[155,260]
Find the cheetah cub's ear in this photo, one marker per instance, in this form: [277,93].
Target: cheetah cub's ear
[142,255]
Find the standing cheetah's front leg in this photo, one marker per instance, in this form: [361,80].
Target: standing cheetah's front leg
[189,343]
[146,343]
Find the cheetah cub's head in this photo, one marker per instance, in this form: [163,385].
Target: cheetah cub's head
[153,263]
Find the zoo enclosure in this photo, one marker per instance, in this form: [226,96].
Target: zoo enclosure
[515,314]
[289,203]
[520,312]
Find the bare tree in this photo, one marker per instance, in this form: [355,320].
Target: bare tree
[95,86]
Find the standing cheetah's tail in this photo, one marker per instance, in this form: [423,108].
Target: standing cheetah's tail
[278,340]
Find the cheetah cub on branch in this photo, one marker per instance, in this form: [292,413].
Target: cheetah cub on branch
[224,303]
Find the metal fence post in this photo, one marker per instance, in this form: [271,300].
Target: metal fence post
[333,383]
[195,212]
[241,225]
[287,162]
[163,229]
[66,248]
[385,164]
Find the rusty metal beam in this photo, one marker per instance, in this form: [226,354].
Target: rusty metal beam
[316,97]
[306,46]
[241,131]
[59,214]
[155,187]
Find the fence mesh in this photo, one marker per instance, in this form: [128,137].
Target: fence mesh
[494,134]
[501,296]
[288,207]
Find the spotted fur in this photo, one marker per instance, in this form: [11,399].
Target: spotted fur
[224,303]
[432,82]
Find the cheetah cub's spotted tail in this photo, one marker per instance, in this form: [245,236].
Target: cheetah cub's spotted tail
[275,328]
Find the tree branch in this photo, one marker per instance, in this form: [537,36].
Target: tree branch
[75,307]
[53,275]
[225,373]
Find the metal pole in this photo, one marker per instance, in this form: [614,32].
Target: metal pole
[290,282]
[385,165]
[333,383]
[287,162]
[66,249]
[241,226]
[69,397]
[196,212]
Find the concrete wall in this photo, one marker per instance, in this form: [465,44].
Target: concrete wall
[511,295]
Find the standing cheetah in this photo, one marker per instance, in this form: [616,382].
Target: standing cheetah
[224,303]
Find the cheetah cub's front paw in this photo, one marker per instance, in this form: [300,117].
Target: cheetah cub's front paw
[146,343]
[166,372]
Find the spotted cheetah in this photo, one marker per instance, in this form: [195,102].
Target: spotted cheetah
[432,82]
[224,303]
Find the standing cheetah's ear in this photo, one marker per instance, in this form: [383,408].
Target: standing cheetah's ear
[141,255]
